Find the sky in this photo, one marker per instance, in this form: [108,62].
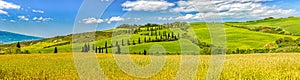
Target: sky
[49,18]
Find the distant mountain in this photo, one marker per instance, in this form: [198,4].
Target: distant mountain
[8,37]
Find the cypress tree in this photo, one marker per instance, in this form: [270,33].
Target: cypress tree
[88,48]
[117,43]
[85,48]
[105,44]
[133,43]
[139,41]
[55,50]
[145,52]
[168,36]
[172,35]
[118,50]
[122,42]
[19,45]
[106,51]
[82,49]
[96,50]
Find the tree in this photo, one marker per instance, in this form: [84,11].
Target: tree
[88,48]
[117,43]
[55,50]
[19,45]
[133,43]
[178,36]
[139,41]
[128,42]
[105,44]
[106,51]
[97,50]
[145,52]
[118,50]
[172,35]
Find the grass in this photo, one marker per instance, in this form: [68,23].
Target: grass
[235,37]
[61,66]
[239,38]
[289,24]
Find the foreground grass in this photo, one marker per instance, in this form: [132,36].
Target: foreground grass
[61,66]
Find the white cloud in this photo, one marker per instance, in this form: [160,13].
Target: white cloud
[115,19]
[7,5]
[229,9]
[13,21]
[39,19]
[92,21]
[23,18]
[38,11]
[146,5]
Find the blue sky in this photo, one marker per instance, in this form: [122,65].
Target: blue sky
[49,18]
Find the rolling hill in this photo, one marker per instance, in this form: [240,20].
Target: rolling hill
[147,36]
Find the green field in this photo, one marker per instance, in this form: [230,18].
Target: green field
[235,38]
[61,66]
[290,24]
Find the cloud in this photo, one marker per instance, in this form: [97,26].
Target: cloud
[92,21]
[23,18]
[182,18]
[37,11]
[13,21]
[39,19]
[115,19]
[230,9]
[146,5]
[7,5]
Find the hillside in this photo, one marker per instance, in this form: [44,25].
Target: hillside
[289,26]
[8,37]
[139,38]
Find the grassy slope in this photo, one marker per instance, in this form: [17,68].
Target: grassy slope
[289,24]
[236,37]
[61,66]
[239,38]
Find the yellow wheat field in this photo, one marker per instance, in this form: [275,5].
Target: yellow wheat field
[61,66]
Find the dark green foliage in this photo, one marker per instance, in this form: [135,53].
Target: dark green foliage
[117,43]
[128,42]
[55,50]
[133,43]
[19,45]
[139,40]
[118,50]
[145,52]
[123,42]
[105,44]
[286,41]
[96,51]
